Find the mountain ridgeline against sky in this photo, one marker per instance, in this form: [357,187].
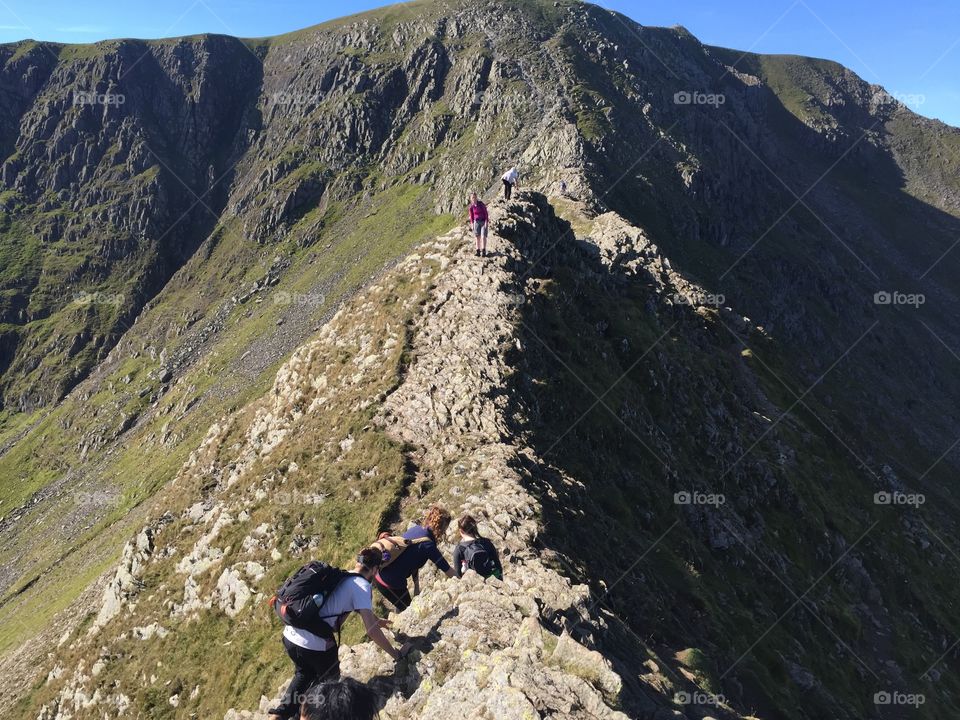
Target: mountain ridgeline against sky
[704,396]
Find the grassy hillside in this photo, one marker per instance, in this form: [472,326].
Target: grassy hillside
[330,485]
[146,461]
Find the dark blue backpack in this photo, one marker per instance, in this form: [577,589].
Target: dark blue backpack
[480,556]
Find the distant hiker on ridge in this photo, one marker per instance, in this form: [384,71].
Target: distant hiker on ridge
[313,604]
[511,180]
[475,552]
[404,556]
[479,222]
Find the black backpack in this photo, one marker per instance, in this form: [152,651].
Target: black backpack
[481,557]
[299,601]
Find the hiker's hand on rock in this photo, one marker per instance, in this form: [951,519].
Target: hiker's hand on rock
[384,623]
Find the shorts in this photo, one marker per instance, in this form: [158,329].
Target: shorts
[480,228]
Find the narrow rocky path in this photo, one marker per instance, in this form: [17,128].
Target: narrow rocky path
[493,653]
[486,649]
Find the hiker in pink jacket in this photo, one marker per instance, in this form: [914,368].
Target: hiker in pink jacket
[479,220]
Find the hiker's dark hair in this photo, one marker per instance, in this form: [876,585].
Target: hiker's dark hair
[344,698]
[370,558]
[468,524]
[437,519]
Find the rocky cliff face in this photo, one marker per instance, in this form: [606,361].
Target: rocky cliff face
[124,157]
[109,151]
[691,370]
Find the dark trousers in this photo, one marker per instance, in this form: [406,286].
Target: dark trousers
[311,668]
[400,599]
[507,189]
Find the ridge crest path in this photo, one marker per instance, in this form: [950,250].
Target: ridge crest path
[491,650]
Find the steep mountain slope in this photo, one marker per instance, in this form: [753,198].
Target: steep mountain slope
[799,199]
[329,172]
[448,381]
[610,372]
[87,207]
[439,425]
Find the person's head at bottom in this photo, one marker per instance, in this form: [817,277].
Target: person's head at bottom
[343,699]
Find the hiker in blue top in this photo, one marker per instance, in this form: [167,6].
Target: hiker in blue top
[391,581]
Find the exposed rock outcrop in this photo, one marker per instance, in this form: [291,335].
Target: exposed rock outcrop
[126,580]
[495,637]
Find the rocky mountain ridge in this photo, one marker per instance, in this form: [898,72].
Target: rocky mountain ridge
[330,191]
[710,320]
[523,647]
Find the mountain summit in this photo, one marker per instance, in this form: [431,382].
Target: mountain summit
[702,394]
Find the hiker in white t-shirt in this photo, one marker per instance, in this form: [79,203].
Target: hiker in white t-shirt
[315,658]
[511,180]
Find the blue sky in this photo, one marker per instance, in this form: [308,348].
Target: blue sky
[911,48]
